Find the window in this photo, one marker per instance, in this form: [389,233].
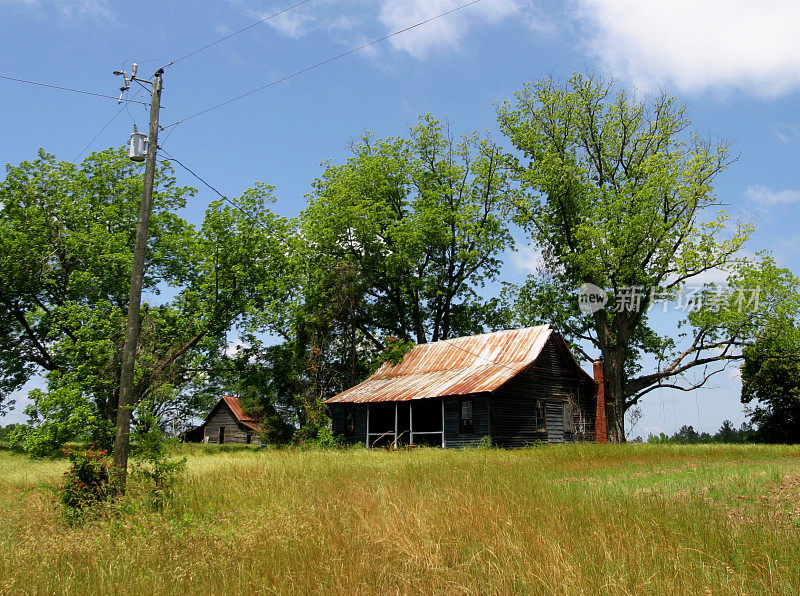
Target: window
[221,435]
[465,425]
[349,422]
[539,416]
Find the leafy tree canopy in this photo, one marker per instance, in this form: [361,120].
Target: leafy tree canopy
[771,384]
[66,238]
[394,247]
[617,193]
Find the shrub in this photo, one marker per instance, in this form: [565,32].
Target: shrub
[484,443]
[322,438]
[87,481]
[155,473]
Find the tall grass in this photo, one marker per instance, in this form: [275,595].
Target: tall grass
[572,519]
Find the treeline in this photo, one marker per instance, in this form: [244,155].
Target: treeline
[5,431]
[727,433]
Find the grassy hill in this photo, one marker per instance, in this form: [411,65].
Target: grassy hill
[570,519]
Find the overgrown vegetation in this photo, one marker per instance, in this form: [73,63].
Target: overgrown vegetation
[720,519]
[87,482]
[771,384]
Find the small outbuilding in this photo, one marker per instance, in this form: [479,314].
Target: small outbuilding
[512,388]
[226,423]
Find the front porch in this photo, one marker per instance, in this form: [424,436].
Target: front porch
[415,422]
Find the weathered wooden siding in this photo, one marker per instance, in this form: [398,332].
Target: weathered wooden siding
[480,421]
[548,379]
[337,414]
[235,432]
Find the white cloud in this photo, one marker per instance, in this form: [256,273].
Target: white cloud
[293,24]
[698,44]
[527,259]
[233,348]
[766,197]
[446,32]
[355,22]
[714,275]
[784,135]
[74,8]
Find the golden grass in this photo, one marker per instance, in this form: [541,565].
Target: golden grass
[576,519]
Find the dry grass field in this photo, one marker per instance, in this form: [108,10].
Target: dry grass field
[577,519]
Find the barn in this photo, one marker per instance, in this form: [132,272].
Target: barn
[226,423]
[514,387]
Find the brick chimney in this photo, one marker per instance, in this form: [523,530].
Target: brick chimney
[600,428]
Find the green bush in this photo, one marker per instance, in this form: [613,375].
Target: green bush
[484,443]
[87,481]
[154,474]
[321,438]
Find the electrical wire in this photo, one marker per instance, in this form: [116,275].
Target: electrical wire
[114,117]
[222,196]
[94,138]
[324,62]
[69,89]
[220,40]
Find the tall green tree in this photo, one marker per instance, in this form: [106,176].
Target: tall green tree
[66,238]
[393,248]
[414,228]
[771,384]
[616,192]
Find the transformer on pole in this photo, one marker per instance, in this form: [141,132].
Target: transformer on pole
[138,145]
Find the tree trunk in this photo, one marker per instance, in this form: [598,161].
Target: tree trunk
[614,367]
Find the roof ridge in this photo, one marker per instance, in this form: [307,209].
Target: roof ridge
[478,335]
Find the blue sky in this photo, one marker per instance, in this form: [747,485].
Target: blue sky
[734,63]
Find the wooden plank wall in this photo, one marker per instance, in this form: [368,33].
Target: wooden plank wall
[234,431]
[337,414]
[548,379]
[480,421]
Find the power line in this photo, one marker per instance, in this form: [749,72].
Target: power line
[220,40]
[222,196]
[71,90]
[94,138]
[114,117]
[324,62]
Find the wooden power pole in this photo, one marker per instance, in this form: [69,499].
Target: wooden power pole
[126,402]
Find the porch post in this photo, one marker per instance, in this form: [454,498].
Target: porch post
[366,441]
[395,426]
[443,443]
[411,422]
[489,414]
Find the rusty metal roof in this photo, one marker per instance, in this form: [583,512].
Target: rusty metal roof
[459,366]
[236,409]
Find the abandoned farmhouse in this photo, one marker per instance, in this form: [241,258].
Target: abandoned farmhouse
[513,387]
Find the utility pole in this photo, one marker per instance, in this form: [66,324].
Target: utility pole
[125,406]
